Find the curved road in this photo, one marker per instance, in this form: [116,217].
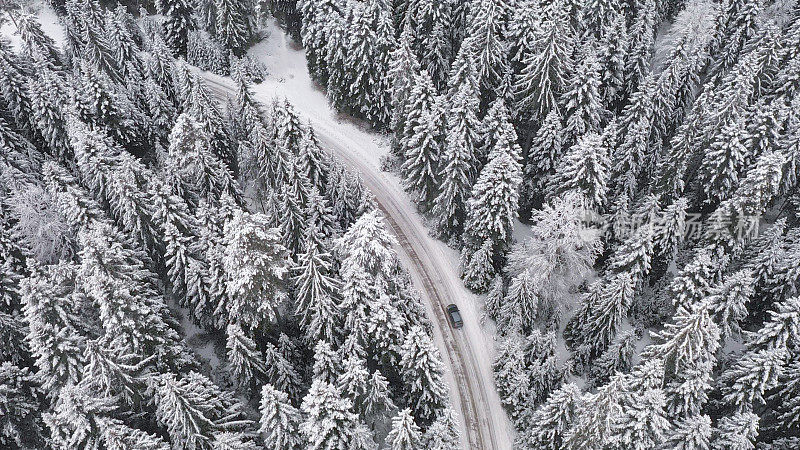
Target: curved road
[481,428]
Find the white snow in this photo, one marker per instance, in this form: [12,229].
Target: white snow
[288,77]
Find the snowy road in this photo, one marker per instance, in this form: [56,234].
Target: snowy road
[433,266]
[482,428]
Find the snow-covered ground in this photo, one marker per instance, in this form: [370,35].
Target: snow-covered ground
[288,77]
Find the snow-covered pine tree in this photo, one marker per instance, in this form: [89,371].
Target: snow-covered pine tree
[719,172]
[737,432]
[292,205]
[35,42]
[422,371]
[22,422]
[385,325]
[641,37]
[316,295]
[378,406]
[421,166]
[200,104]
[550,423]
[584,169]
[112,371]
[543,156]
[496,127]
[513,383]
[177,24]
[191,170]
[443,433]
[329,421]
[728,300]
[372,41]
[618,357]
[612,54]
[354,381]
[256,269]
[313,160]
[234,24]
[103,104]
[488,24]
[320,20]
[421,107]
[115,279]
[607,315]
[244,361]
[405,434]
[52,311]
[403,68]
[491,211]
[543,77]
[458,164]
[583,107]
[690,433]
[282,374]
[192,409]
[280,421]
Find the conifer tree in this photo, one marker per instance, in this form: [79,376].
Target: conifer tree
[192,409]
[584,169]
[19,405]
[354,380]
[113,371]
[371,48]
[316,31]
[116,281]
[420,111]
[607,315]
[280,421]
[612,56]
[443,432]
[542,80]
[421,167]
[51,309]
[327,364]
[244,361]
[234,24]
[403,68]
[177,24]
[378,405]
[281,373]
[458,162]
[550,423]
[405,434]
[640,46]
[329,422]
[422,371]
[546,151]
[722,163]
[316,297]
[492,208]
[737,432]
[728,300]
[691,433]
[582,101]
[488,26]
[256,267]
[36,43]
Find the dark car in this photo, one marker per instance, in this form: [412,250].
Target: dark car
[455,316]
